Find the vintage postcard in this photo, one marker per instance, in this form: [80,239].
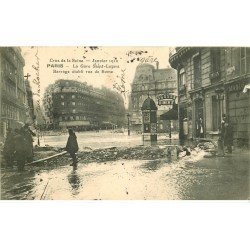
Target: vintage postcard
[125,123]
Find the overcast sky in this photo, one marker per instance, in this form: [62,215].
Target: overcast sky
[46,57]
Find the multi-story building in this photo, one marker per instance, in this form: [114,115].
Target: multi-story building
[210,84]
[69,103]
[31,111]
[159,85]
[14,106]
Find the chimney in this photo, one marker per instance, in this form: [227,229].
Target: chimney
[157,65]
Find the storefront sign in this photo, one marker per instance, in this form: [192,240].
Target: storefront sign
[236,87]
[166,99]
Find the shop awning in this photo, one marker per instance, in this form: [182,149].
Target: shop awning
[246,88]
[172,114]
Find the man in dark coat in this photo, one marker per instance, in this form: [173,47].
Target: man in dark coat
[227,133]
[8,150]
[28,142]
[228,137]
[20,151]
[72,147]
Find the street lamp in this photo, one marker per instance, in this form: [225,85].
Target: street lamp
[128,115]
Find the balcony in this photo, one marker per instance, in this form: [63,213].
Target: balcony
[182,90]
[214,75]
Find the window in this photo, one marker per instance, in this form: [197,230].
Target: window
[215,62]
[216,113]
[197,71]
[73,96]
[73,111]
[242,60]
[62,103]
[182,78]
[62,96]
[73,103]
[233,61]
[248,59]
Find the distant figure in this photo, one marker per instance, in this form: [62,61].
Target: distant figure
[72,147]
[221,145]
[8,150]
[19,147]
[201,129]
[227,133]
[27,133]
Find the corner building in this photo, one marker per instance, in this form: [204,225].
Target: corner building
[13,98]
[69,103]
[154,83]
[211,81]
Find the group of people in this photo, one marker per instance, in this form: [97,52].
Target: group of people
[19,144]
[18,147]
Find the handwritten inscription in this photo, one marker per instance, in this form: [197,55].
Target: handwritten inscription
[36,81]
[139,56]
[120,86]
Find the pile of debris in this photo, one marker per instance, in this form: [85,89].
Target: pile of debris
[87,155]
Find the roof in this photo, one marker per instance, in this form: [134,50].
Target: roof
[149,104]
[172,114]
[164,74]
[148,73]
[142,65]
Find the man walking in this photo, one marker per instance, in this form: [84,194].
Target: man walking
[72,147]
[8,150]
[227,133]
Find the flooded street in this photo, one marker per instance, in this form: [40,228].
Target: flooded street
[97,140]
[192,177]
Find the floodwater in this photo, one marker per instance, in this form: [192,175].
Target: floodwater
[103,139]
[192,177]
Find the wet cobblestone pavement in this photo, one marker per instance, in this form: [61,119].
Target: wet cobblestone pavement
[192,177]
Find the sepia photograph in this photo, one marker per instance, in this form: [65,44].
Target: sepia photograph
[125,123]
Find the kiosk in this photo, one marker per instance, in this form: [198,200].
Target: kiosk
[149,121]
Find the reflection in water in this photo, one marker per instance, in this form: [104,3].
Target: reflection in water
[152,165]
[191,177]
[74,181]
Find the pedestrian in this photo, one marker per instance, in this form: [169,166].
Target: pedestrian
[72,147]
[8,149]
[227,134]
[19,147]
[220,145]
[199,128]
[28,134]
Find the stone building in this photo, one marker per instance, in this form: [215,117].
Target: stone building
[210,84]
[13,101]
[69,103]
[158,84]
[31,112]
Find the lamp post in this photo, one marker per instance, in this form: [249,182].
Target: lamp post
[128,115]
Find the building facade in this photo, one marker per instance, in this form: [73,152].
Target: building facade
[69,103]
[30,103]
[210,84]
[158,84]
[13,97]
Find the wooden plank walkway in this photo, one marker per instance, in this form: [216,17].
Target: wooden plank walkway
[46,159]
